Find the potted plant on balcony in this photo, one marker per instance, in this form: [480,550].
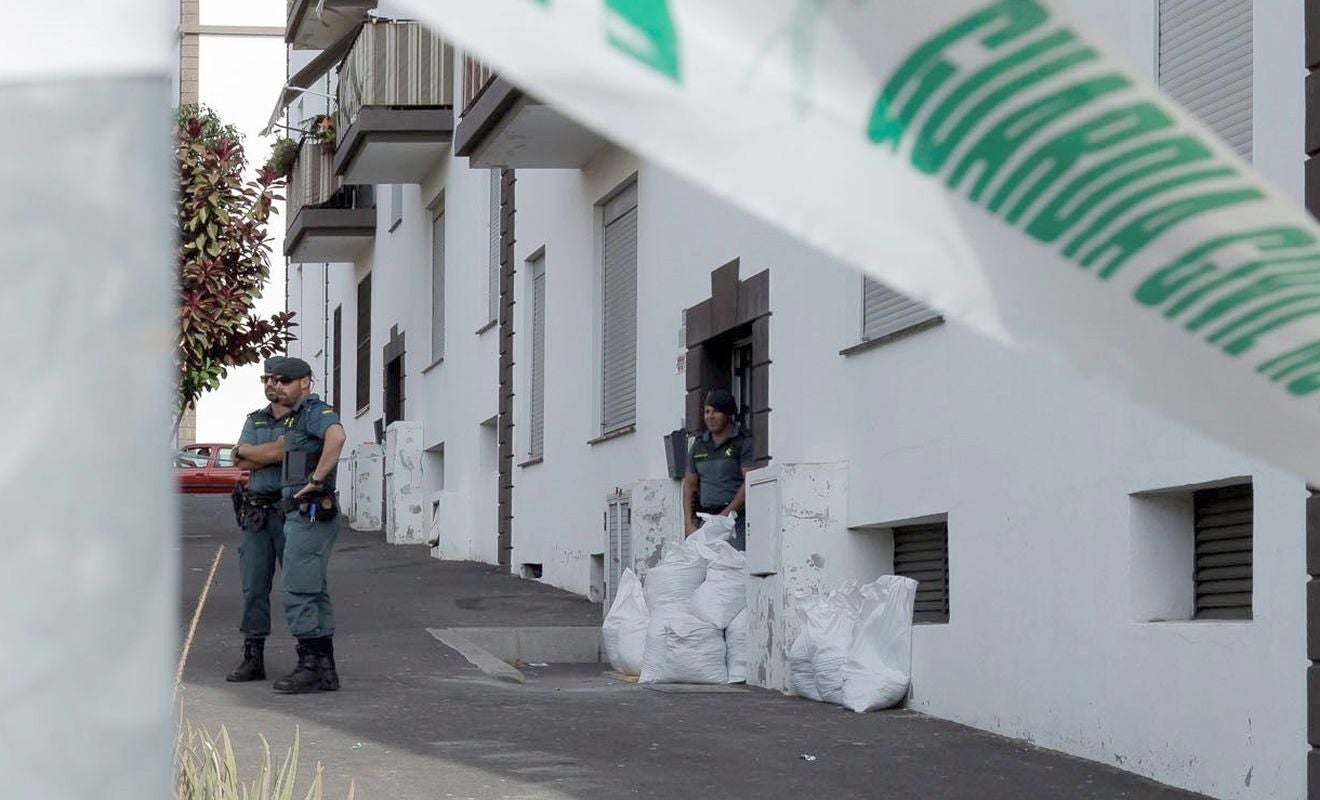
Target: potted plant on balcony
[323,130]
[282,155]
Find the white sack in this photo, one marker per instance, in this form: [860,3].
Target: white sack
[624,631]
[671,582]
[735,645]
[683,649]
[831,623]
[714,527]
[802,674]
[879,668]
[724,592]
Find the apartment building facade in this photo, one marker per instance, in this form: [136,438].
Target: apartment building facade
[517,319]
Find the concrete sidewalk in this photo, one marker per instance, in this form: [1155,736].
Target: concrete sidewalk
[415,720]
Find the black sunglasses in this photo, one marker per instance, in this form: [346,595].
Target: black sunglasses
[280,379]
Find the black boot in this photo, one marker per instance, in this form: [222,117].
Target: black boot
[329,677]
[306,677]
[253,667]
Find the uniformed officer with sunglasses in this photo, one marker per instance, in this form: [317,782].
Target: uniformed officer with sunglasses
[313,438]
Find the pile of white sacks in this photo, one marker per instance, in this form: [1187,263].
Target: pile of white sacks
[854,645]
[689,624]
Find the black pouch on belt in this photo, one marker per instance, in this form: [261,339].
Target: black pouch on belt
[236,496]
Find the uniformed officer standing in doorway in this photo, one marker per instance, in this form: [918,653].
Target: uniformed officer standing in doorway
[260,449]
[718,463]
[313,440]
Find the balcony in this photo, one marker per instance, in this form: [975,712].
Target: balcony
[502,127]
[328,220]
[396,104]
[317,24]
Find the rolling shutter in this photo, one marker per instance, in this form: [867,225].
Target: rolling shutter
[493,268]
[618,526]
[1205,64]
[1223,552]
[886,312]
[619,317]
[438,287]
[921,552]
[536,444]
[364,343]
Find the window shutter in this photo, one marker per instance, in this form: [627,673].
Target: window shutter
[438,287]
[537,436]
[1205,64]
[618,528]
[921,552]
[336,381]
[619,303]
[493,276]
[364,343]
[1223,552]
[885,311]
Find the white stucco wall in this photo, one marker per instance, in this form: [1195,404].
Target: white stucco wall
[1055,566]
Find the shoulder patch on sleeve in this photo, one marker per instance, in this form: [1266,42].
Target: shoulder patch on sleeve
[327,411]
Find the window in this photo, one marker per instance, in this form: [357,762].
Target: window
[1205,54]
[225,457]
[619,312]
[394,398]
[921,552]
[886,312]
[536,436]
[1223,522]
[438,287]
[493,265]
[1190,553]
[336,381]
[396,206]
[364,344]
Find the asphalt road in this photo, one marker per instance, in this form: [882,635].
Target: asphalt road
[415,721]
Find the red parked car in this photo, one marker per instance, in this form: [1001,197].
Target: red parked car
[208,468]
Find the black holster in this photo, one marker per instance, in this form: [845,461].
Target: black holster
[251,508]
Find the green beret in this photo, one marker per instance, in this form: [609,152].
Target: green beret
[287,367]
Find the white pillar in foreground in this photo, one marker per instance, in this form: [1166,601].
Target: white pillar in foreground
[88,539]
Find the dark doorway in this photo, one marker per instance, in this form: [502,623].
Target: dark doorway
[728,340]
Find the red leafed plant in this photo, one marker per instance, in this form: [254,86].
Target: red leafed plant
[223,256]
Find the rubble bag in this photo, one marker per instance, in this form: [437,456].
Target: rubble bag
[624,631]
[801,670]
[735,646]
[683,649]
[831,622]
[879,667]
[714,528]
[723,594]
[681,570]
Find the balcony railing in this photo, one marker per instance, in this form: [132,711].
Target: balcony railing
[394,64]
[476,77]
[313,181]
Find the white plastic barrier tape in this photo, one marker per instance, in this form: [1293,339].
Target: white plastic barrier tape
[990,159]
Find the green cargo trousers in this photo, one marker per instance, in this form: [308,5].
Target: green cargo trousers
[307,548]
[261,548]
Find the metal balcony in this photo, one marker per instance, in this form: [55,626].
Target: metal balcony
[317,24]
[502,127]
[328,219]
[396,104]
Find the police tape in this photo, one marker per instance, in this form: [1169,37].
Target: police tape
[990,159]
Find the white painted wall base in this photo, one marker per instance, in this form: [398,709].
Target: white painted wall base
[404,508]
[365,484]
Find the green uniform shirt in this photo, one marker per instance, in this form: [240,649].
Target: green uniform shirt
[719,467]
[304,437]
[261,427]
